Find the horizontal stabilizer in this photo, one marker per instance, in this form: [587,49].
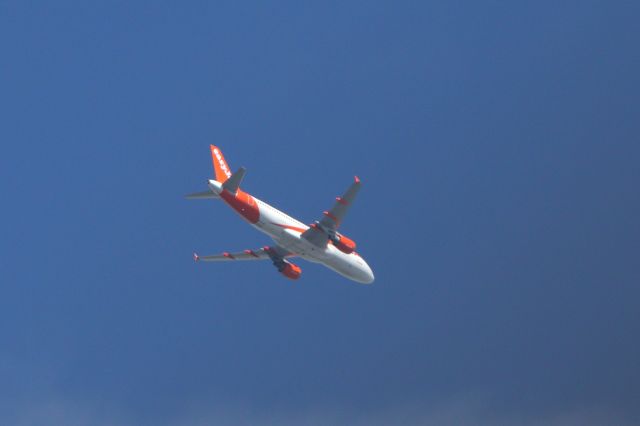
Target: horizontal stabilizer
[202,195]
[233,183]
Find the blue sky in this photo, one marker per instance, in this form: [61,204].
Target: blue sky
[497,143]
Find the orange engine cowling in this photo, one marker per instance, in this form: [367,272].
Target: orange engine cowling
[291,271]
[344,244]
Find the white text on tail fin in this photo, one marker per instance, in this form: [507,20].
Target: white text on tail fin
[220,166]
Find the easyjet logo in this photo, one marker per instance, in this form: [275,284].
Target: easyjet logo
[223,165]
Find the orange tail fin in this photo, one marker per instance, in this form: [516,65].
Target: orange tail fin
[220,166]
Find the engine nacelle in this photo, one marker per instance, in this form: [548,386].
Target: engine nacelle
[290,271]
[344,244]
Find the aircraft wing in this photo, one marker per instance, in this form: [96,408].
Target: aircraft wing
[264,253]
[332,219]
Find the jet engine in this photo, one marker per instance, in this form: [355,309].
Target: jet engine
[290,270]
[344,244]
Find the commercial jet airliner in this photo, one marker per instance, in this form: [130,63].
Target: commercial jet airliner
[319,242]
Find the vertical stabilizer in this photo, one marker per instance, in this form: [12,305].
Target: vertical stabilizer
[220,166]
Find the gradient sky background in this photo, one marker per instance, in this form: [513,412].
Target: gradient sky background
[498,147]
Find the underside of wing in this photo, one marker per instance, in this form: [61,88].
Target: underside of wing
[264,253]
[324,229]
[277,255]
[333,218]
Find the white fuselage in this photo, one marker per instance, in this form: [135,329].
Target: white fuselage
[286,232]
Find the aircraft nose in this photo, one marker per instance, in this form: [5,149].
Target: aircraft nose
[367,276]
[370,278]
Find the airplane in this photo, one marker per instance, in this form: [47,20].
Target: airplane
[319,242]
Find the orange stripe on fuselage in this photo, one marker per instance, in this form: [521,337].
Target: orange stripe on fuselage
[293,228]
